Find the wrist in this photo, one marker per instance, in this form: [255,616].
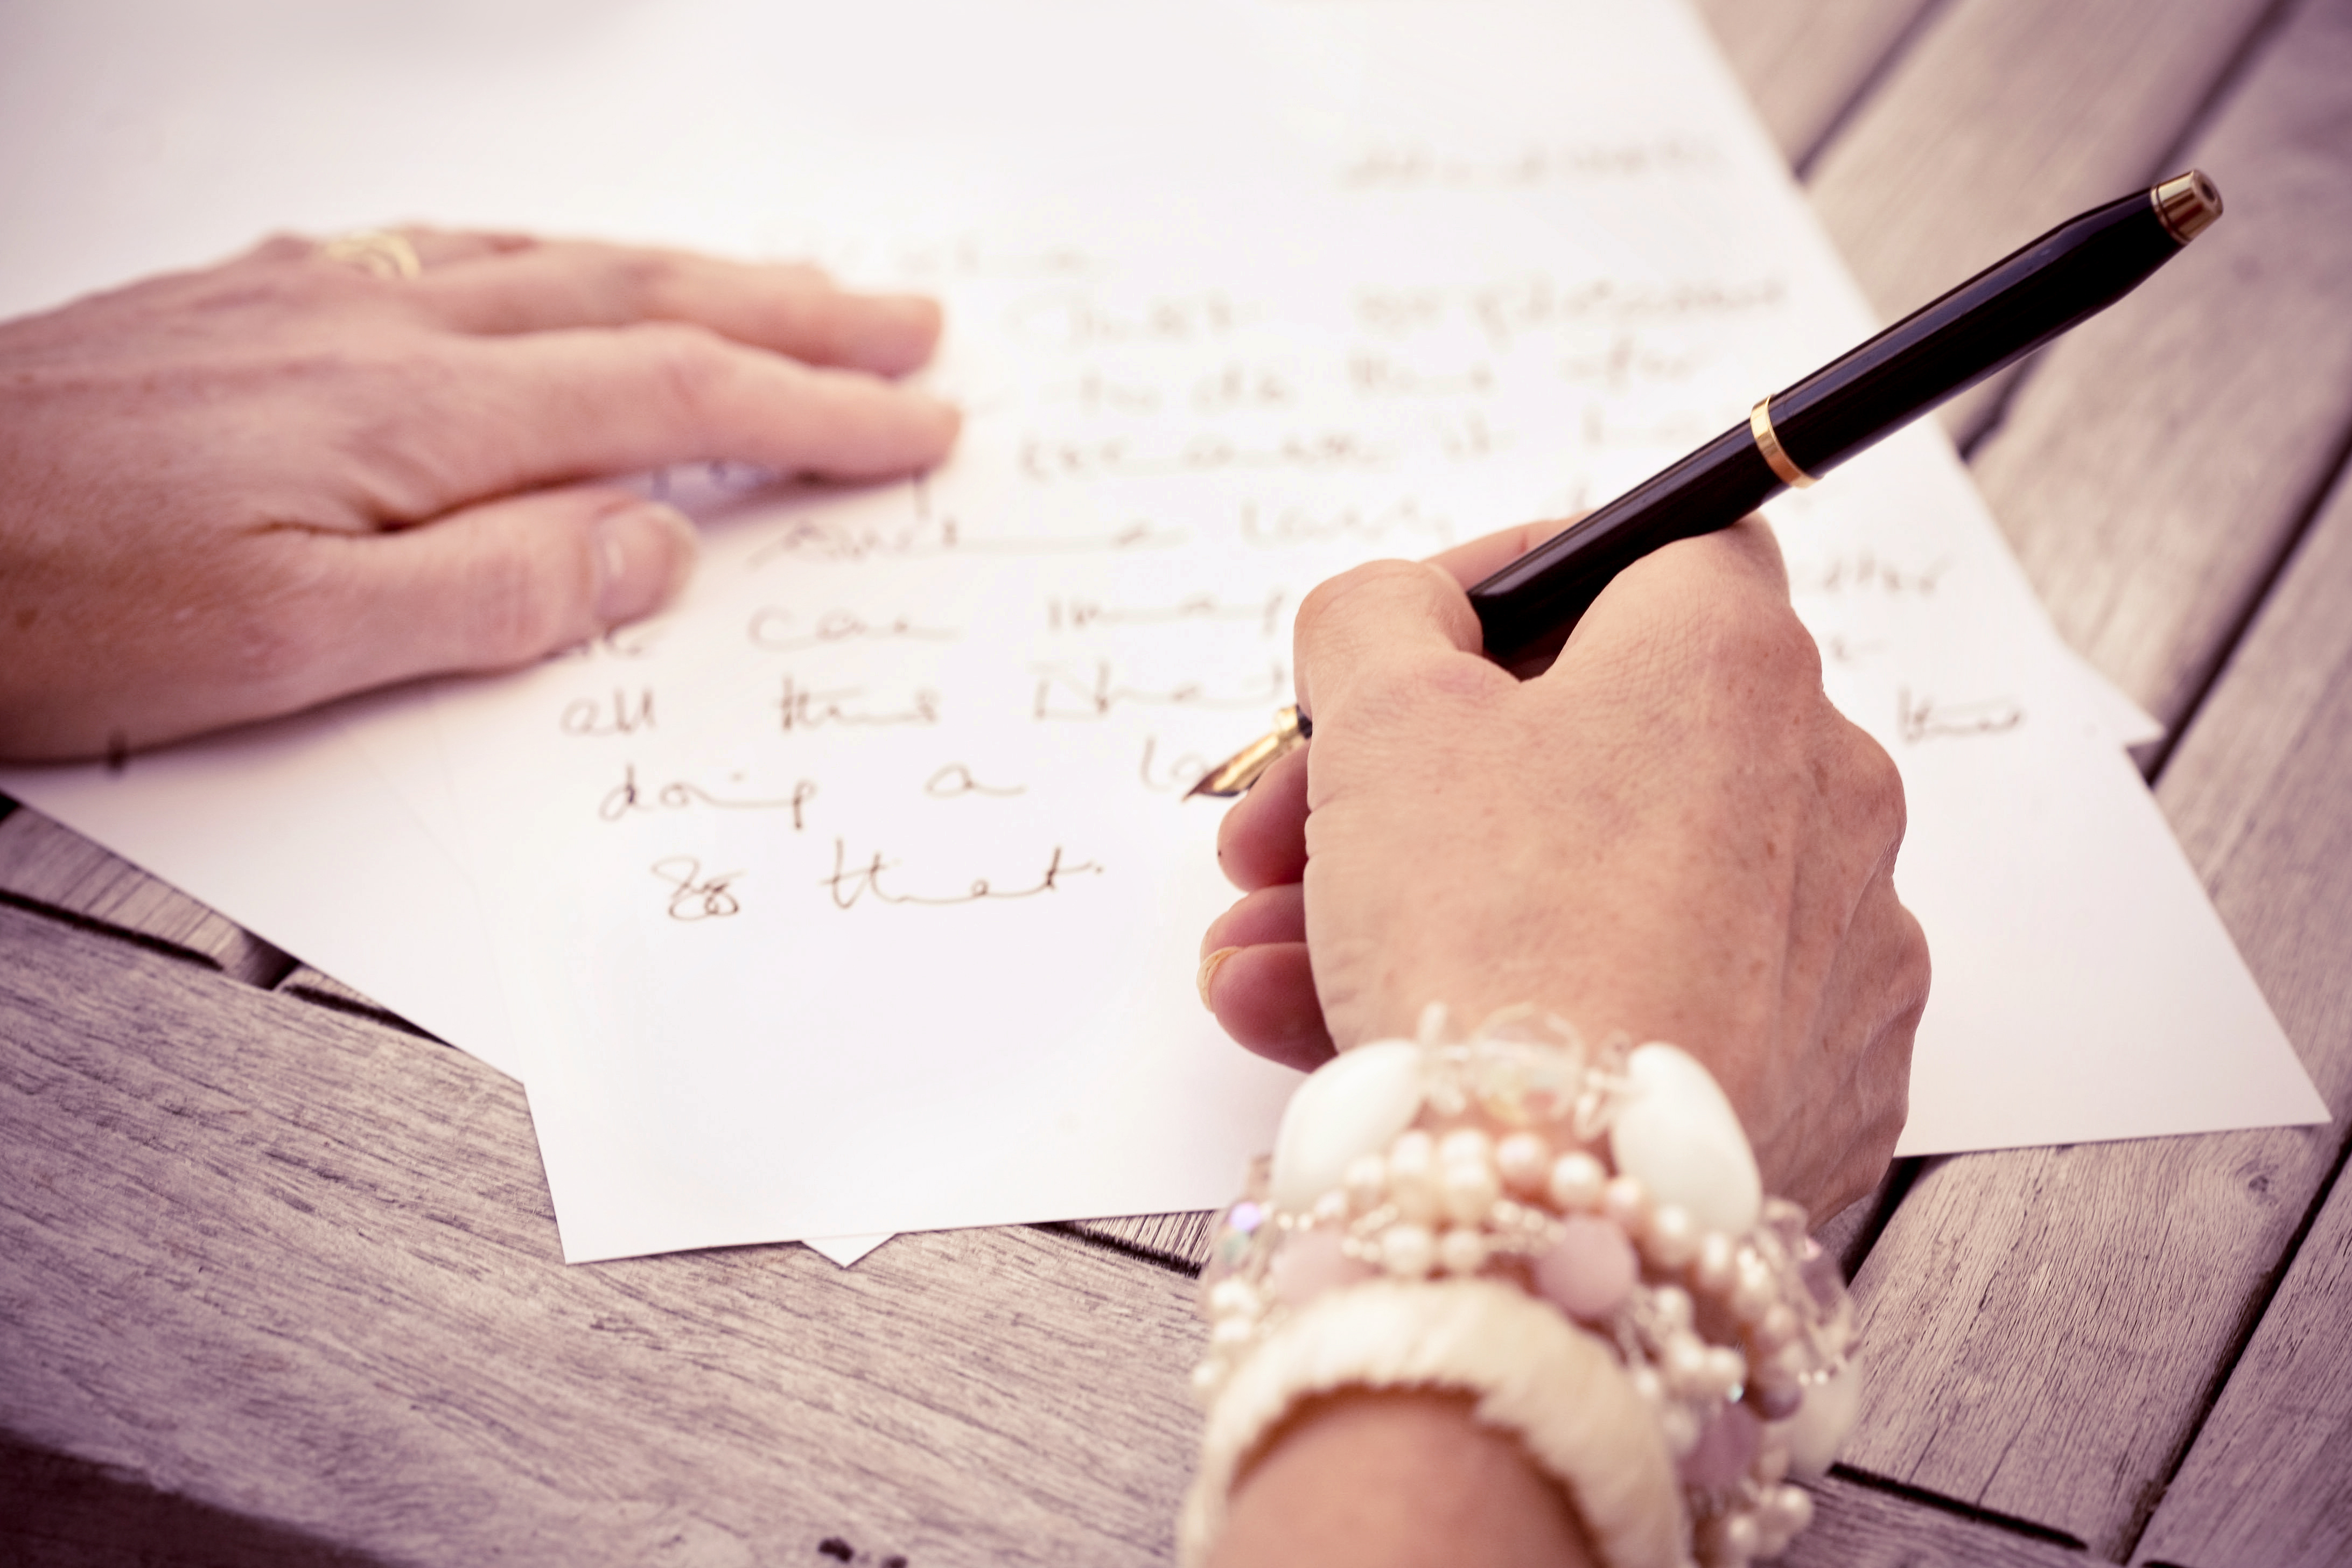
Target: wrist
[1401,1477]
[1574,1240]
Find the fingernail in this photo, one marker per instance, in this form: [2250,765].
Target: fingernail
[1209,967]
[645,553]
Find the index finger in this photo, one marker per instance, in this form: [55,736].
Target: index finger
[797,311]
[1382,629]
[1472,563]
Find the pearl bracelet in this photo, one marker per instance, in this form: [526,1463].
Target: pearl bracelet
[1578,1237]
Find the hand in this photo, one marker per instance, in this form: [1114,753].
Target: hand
[236,492]
[1670,832]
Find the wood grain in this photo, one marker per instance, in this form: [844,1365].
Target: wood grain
[2003,118]
[2051,1324]
[2155,468]
[51,867]
[316,985]
[1859,1526]
[301,1267]
[2269,1479]
[1805,62]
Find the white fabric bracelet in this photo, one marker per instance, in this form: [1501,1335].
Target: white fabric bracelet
[1556,1387]
[1579,1237]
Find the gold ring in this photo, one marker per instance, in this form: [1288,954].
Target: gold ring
[1767,442]
[378,250]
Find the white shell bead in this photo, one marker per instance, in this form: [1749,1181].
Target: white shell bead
[1676,1131]
[1350,1106]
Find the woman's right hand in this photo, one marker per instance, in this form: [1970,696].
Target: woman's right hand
[1671,833]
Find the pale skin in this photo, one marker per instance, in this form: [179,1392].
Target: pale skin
[238,492]
[1670,833]
[241,491]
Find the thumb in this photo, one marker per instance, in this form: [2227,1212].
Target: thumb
[508,581]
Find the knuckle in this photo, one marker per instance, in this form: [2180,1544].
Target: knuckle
[687,366]
[1871,788]
[523,606]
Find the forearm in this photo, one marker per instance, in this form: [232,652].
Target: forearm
[1372,1480]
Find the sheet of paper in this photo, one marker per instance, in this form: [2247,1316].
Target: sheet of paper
[851,894]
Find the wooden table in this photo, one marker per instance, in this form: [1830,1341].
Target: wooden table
[279,1280]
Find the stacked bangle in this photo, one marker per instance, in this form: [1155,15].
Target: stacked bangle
[1577,1237]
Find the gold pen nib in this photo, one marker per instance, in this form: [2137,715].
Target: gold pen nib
[1238,771]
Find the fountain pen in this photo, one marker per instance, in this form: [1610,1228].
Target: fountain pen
[1793,437]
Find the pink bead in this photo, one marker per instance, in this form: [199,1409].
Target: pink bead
[1590,1270]
[1725,1447]
[1312,1263]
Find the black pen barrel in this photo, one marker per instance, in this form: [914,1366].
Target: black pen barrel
[1528,607]
[1988,322]
[1980,328]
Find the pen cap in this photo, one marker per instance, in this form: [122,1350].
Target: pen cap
[1988,323]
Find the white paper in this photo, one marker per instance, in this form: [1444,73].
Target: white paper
[1239,293]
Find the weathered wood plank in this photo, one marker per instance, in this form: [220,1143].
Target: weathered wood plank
[2050,1324]
[1805,62]
[2155,466]
[50,866]
[317,986]
[1859,1526]
[2269,1479]
[301,1267]
[2002,118]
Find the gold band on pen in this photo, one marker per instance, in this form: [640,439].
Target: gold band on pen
[1767,442]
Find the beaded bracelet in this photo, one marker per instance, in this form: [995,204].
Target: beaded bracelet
[1578,1237]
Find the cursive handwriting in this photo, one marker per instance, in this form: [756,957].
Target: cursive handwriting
[956,779]
[621,642]
[682,794]
[850,883]
[1513,308]
[1865,572]
[1073,319]
[1115,457]
[1920,719]
[771,629]
[589,716]
[693,896]
[1295,525]
[1415,168]
[1238,385]
[1371,373]
[1624,362]
[806,709]
[1075,615]
[1064,693]
[1187,770]
[828,539]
